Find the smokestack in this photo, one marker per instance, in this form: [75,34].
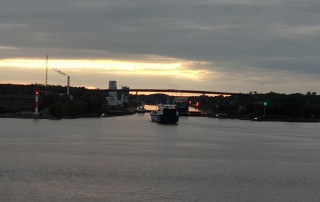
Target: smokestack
[64,74]
[68,86]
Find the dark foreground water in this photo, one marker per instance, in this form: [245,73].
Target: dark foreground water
[132,159]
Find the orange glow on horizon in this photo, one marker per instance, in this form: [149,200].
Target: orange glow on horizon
[175,68]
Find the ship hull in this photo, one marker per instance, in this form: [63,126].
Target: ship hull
[167,116]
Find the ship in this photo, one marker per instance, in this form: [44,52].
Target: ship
[141,109]
[182,105]
[165,113]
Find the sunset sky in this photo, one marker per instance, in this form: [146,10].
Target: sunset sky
[218,45]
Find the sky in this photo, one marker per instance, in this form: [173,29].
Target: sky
[217,45]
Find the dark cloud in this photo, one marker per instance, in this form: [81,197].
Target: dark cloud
[236,36]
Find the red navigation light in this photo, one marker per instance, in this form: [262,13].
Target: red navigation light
[37,92]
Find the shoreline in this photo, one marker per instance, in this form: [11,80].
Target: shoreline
[31,115]
[118,113]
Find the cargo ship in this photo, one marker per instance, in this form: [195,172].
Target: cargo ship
[182,105]
[141,109]
[165,113]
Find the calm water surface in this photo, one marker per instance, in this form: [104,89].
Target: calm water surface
[130,158]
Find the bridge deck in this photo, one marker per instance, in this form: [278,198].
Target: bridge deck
[175,91]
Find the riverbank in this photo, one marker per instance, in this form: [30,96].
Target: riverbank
[46,115]
[27,115]
[270,119]
[309,120]
[226,115]
[113,113]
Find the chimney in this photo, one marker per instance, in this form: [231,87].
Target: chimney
[68,86]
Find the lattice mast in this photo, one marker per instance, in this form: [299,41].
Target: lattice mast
[47,67]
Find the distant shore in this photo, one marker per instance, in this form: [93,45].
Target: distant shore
[287,120]
[113,113]
[272,119]
[46,115]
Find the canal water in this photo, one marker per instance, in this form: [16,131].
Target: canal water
[130,158]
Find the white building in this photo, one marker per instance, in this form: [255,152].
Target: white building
[113,86]
[113,98]
[124,94]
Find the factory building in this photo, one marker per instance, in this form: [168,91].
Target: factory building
[117,98]
[15,103]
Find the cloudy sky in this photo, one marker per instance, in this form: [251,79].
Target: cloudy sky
[218,45]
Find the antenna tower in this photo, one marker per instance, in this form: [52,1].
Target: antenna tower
[47,70]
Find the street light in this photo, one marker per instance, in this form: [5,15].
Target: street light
[265,104]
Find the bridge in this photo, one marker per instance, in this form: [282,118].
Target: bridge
[136,90]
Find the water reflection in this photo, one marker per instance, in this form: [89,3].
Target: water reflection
[130,158]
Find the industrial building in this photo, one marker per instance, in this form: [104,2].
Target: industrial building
[117,98]
[15,103]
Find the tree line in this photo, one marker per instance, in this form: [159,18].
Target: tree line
[272,105]
[88,102]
